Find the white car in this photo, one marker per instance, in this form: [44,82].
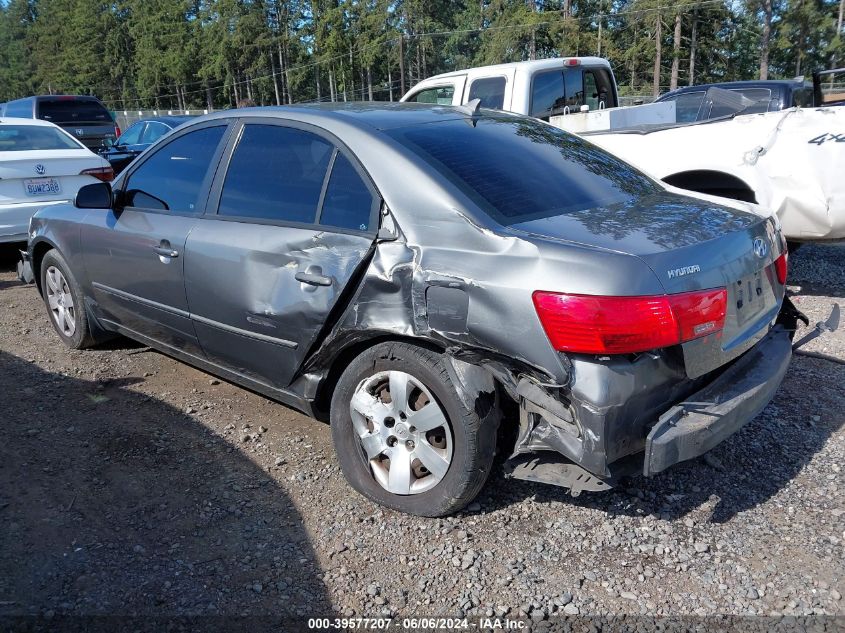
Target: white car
[40,165]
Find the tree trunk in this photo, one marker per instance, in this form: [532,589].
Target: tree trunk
[283,74]
[692,48]
[209,100]
[317,81]
[390,83]
[676,53]
[598,39]
[236,88]
[401,66]
[765,36]
[275,78]
[532,44]
[331,84]
[658,36]
[370,82]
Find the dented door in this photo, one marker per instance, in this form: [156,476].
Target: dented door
[259,294]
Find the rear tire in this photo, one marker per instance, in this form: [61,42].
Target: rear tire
[64,301]
[425,454]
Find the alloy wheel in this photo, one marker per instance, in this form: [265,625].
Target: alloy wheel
[403,432]
[60,300]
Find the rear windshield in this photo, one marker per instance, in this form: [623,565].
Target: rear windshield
[518,170]
[72,111]
[21,138]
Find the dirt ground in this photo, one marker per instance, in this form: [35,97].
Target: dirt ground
[132,484]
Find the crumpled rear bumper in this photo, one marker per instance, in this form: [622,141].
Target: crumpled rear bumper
[707,417]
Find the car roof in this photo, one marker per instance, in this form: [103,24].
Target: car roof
[749,83]
[527,66]
[374,115]
[172,120]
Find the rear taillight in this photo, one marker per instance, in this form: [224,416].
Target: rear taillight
[117,131]
[106,174]
[781,265]
[589,324]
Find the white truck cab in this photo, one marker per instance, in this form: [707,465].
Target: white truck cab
[541,88]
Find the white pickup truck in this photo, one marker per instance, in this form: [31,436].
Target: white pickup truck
[541,89]
[790,162]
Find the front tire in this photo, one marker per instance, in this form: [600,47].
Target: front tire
[64,301]
[404,438]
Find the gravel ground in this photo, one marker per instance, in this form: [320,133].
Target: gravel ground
[133,484]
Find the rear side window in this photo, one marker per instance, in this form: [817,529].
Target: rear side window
[517,169]
[276,173]
[21,138]
[72,111]
[491,91]
[153,132]
[441,95]
[348,203]
[131,136]
[171,179]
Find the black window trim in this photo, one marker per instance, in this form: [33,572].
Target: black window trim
[205,187]
[338,146]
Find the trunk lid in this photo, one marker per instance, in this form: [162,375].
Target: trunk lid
[690,244]
[30,176]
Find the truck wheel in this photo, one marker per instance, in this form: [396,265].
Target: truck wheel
[64,301]
[403,436]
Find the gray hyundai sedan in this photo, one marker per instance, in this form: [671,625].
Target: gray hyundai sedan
[440,283]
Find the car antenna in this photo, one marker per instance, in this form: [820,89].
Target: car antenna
[472,108]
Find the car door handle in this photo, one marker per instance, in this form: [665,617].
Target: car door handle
[314,279]
[166,251]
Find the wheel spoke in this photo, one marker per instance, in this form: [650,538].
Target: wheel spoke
[68,299]
[51,280]
[399,390]
[431,459]
[428,418]
[53,301]
[373,445]
[399,477]
[62,319]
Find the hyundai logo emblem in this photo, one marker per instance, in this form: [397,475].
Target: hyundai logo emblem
[760,247]
[39,169]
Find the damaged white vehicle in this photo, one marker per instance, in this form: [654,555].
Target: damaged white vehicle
[791,162]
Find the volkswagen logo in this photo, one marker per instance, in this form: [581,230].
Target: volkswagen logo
[39,169]
[760,247]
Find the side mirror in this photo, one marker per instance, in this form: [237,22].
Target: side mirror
[94,196]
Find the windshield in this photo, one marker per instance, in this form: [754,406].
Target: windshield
[21,138]
[519,169]
[72,111]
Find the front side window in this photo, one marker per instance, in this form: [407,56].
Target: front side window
[687,105]
[761,97]
[348,202]
[22,138]
[171,179]
[276,173]
[441,95]
[491,91]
